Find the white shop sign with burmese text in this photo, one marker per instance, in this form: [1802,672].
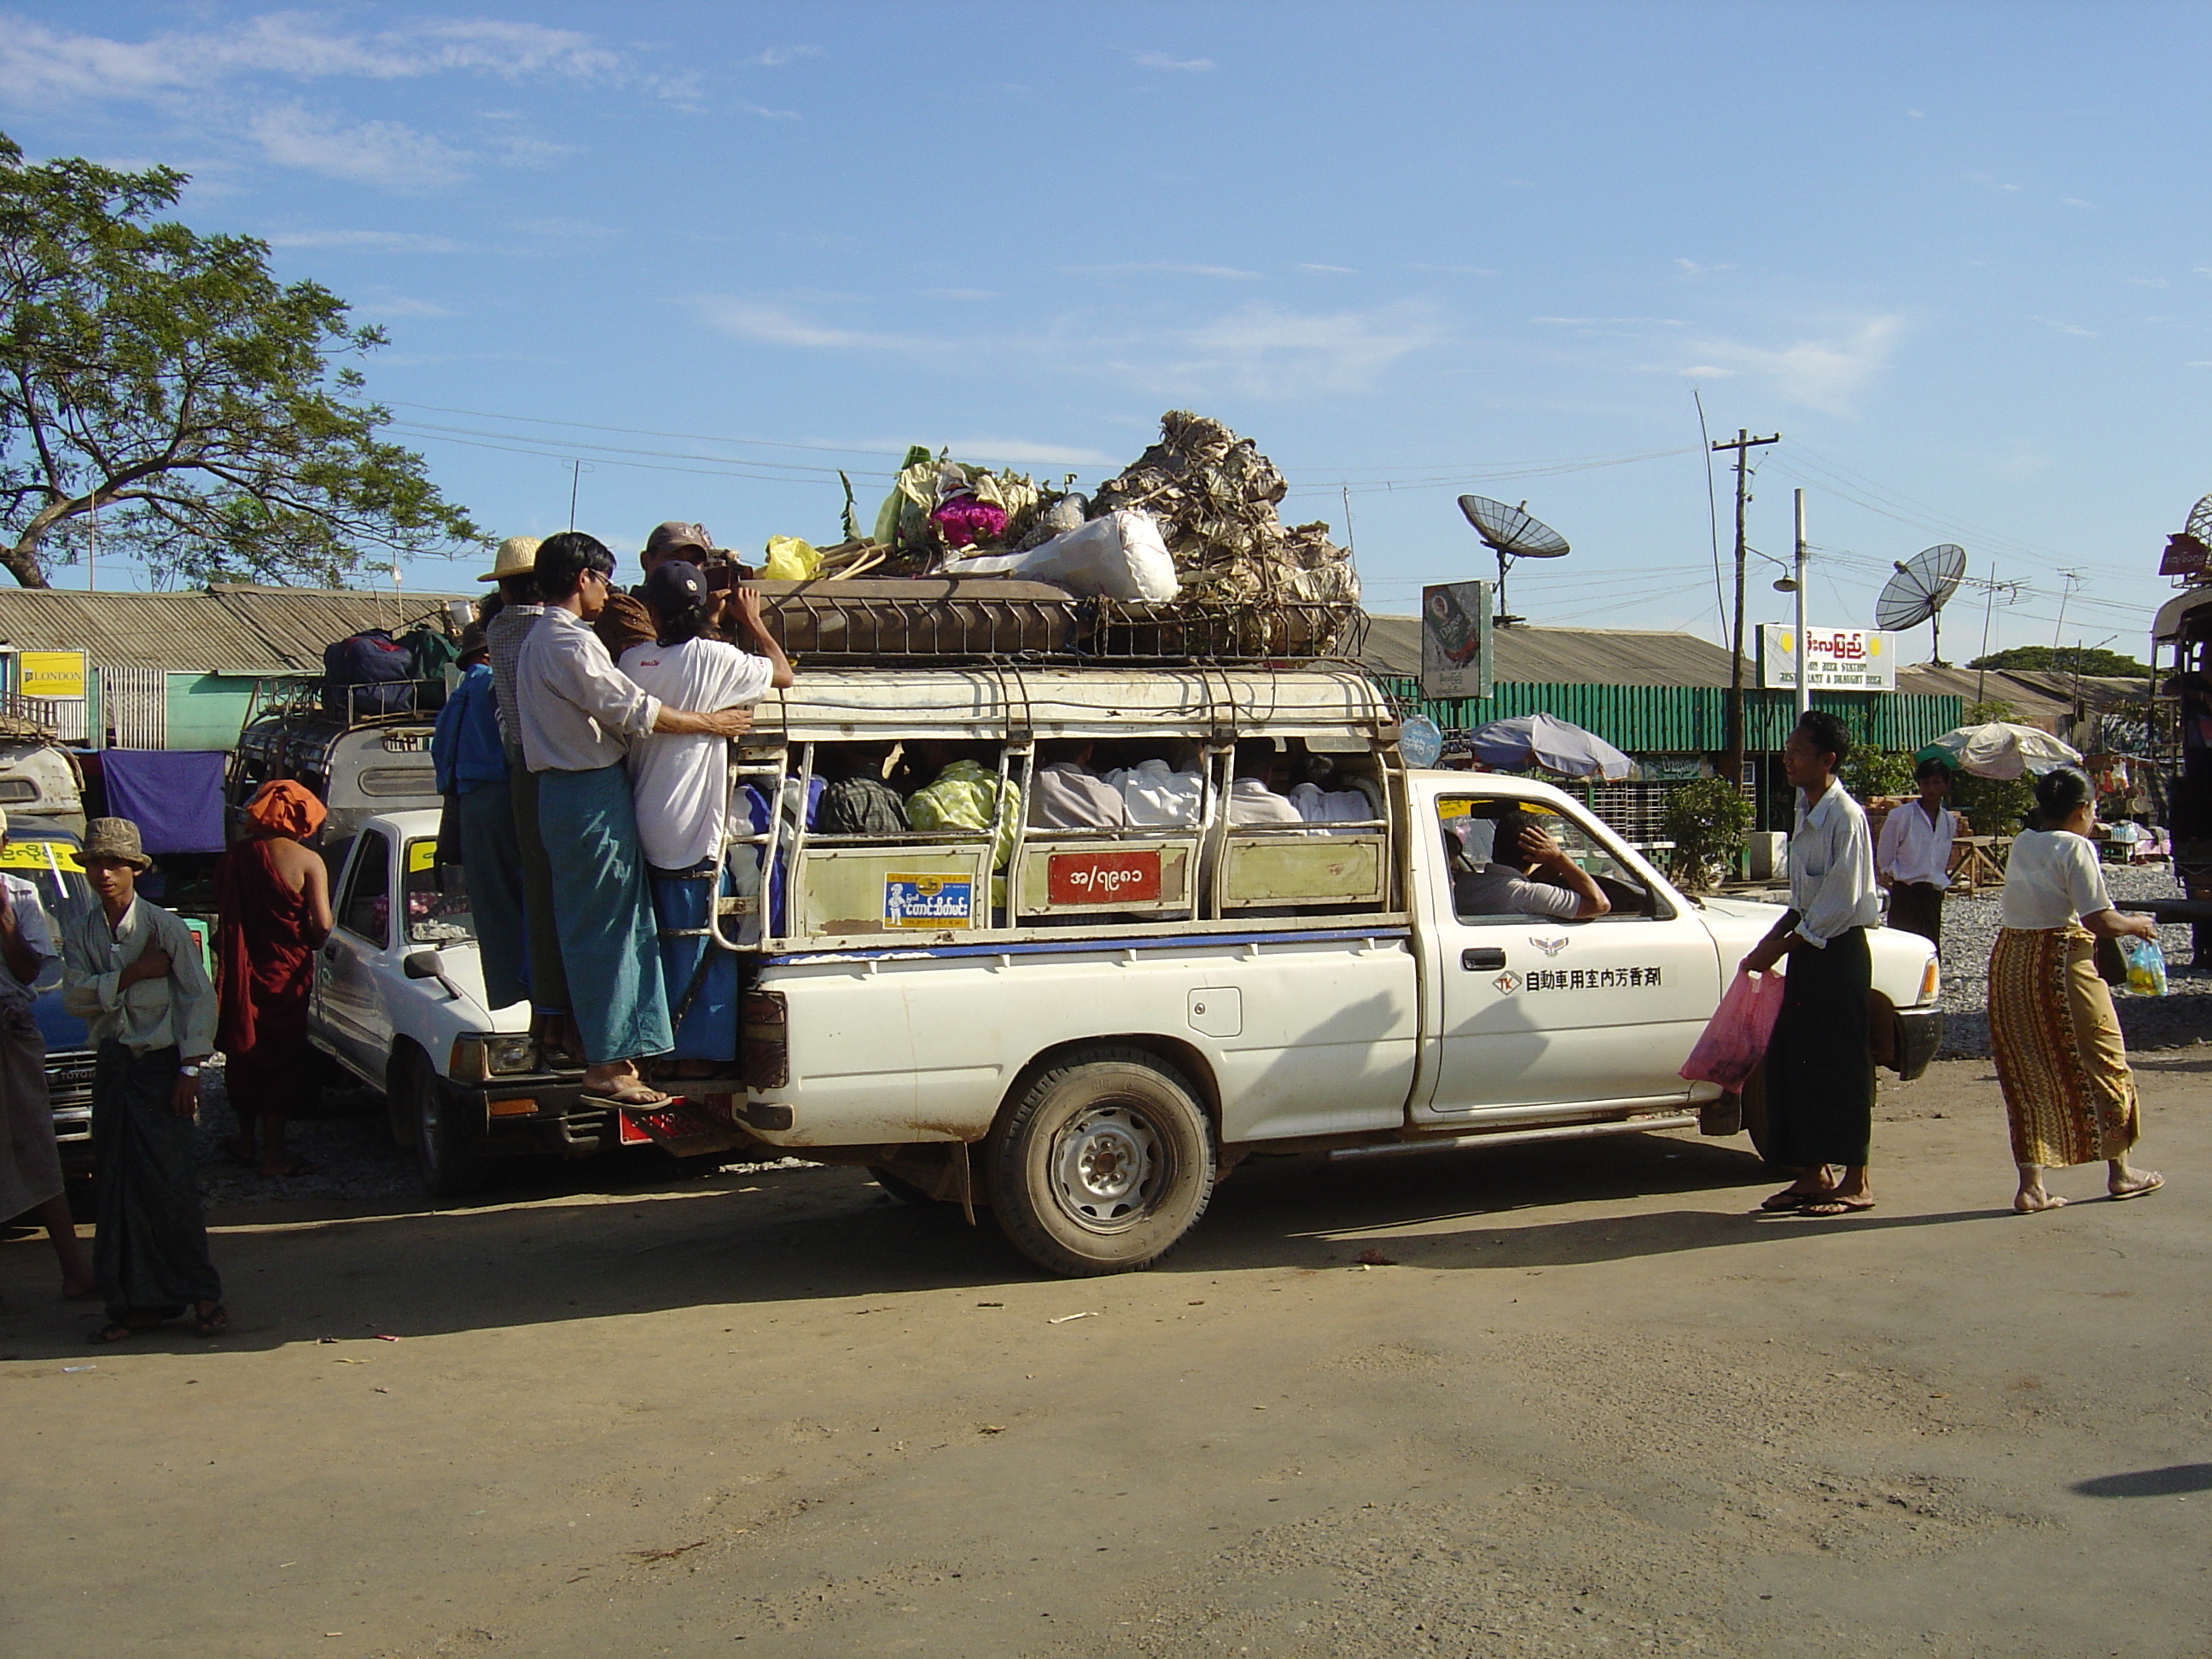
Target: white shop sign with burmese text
[1838,658]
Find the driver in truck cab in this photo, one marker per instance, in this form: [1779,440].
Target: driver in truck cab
[1529,874]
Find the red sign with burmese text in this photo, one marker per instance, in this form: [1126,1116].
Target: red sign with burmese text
[1102,877]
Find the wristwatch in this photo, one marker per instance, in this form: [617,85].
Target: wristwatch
[189,1070]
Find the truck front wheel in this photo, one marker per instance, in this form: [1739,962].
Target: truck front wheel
[1104,1165]
[449,1167]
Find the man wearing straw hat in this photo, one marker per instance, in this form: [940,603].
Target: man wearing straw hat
[132,971]
[515,570]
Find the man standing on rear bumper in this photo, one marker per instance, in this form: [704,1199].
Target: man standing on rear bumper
[1819,1065]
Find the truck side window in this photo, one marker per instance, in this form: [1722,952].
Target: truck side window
[366,909]
[1488,884]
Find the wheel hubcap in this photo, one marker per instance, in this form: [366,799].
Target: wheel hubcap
[1107,1168]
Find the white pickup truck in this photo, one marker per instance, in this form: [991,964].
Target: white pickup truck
[1084,1030]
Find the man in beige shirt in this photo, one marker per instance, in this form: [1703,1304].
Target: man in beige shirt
[132,971]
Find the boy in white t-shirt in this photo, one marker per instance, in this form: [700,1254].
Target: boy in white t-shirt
[680,785]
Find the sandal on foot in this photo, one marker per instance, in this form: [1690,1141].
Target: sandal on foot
[1838,1206]
[639,1099]
[1789,1199]
[215,1321]
[121,1330]
[2152,1182]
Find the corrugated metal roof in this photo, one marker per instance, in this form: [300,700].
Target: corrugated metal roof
[231,628]
[2035,698]
[1567,656]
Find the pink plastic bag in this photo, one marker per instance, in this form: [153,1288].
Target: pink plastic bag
[1735,1039]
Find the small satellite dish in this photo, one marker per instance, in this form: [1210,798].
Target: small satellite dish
[1511,533]
[1918,591]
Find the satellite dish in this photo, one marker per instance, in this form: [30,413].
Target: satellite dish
[1511,533]
[2185,555]
[1918,591]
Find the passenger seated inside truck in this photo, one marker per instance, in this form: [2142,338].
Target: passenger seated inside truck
[1528,873]
[1161,785]
[1067,792]
[1326,795]
[1255,793]
[1472,829]
[964,795]
[855,800]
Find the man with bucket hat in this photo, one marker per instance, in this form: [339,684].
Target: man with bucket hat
[515,570]
[132,971]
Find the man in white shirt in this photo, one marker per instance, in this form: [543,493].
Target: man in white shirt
[1819,1061]
[681,785]
[1065,794]
[579,714]
[1252,795]
[1912,858]
[1567,892]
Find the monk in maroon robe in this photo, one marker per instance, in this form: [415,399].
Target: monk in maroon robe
[274,897]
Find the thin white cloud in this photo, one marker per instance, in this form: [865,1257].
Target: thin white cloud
[1826,374]
[767,114]
[1455,271]
[1692,268]
[365,241]
[387,153]
[1264,351]
[1160,60]
[1226,273]
[777,57]
[2146,281]
[573,230]
[1329,270]
[1023,451]
[2074,202]
[2058,327]
[1707,372]
[959,294]
[776,325]
[1988,183]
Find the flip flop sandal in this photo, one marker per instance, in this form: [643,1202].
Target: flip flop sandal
[1782,1202]
[214,1321]
[645,1100]
[1829,1207]
[2144,1191]
[117,1331]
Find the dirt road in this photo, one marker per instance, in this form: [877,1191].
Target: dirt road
[1592,1408]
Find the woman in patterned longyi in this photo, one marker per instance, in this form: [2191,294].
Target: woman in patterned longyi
[2060,1060]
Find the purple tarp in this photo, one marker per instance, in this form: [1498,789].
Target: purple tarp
[173,795]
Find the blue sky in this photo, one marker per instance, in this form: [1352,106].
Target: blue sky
[1960,257]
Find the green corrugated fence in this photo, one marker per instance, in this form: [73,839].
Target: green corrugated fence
[1652,720]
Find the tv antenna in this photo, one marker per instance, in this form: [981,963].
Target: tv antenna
[1918,591]
[1511,533]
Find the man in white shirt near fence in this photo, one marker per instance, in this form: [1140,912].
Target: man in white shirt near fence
[1912,858]
[1819,1063]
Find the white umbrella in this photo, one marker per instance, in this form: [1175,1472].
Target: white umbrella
[1555,745]
[2000,750]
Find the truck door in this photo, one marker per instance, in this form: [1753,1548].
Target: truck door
[345,982]
[1537,1010]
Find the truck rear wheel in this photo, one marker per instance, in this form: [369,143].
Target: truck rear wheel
[1104,1165]
[449,1167]
[1755,1114]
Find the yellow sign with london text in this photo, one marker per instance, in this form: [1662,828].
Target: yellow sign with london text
[50,673]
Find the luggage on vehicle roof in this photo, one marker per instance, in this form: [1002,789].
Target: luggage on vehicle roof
[371,659]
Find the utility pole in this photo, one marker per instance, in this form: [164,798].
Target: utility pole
[2073,579]
[1743,444]
[1804,656]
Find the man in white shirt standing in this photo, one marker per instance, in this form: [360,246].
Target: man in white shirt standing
[1912,858]
[579,715]
[681,785]
[1819,1063]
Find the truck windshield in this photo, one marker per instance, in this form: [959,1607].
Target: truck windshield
[52,866]
[437,900]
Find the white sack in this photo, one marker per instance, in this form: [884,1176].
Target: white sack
[1119,556]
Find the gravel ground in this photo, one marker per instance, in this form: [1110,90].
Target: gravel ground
[2175,1020]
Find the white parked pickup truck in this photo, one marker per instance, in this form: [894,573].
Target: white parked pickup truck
[1084,1030]
[400,1003]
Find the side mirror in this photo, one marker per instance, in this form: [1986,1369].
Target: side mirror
[423,965]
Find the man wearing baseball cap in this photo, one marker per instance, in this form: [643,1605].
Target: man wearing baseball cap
[626,620]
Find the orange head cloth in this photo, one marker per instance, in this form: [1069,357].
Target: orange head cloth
[285,808]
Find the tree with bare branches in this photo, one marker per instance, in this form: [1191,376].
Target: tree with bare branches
[166,382]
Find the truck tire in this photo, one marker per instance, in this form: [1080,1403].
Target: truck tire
[450,1169]
[1103,1166]
[1755,1114]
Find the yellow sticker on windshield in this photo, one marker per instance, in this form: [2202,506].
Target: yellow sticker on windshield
[422,855]
[1454,809]
[41,854]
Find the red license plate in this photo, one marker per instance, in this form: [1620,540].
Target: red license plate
[1102,877]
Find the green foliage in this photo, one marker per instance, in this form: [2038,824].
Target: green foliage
[1992,806]
[2065,659]
[1706,820]
[1996,710]
[1870,772]
[169,381]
